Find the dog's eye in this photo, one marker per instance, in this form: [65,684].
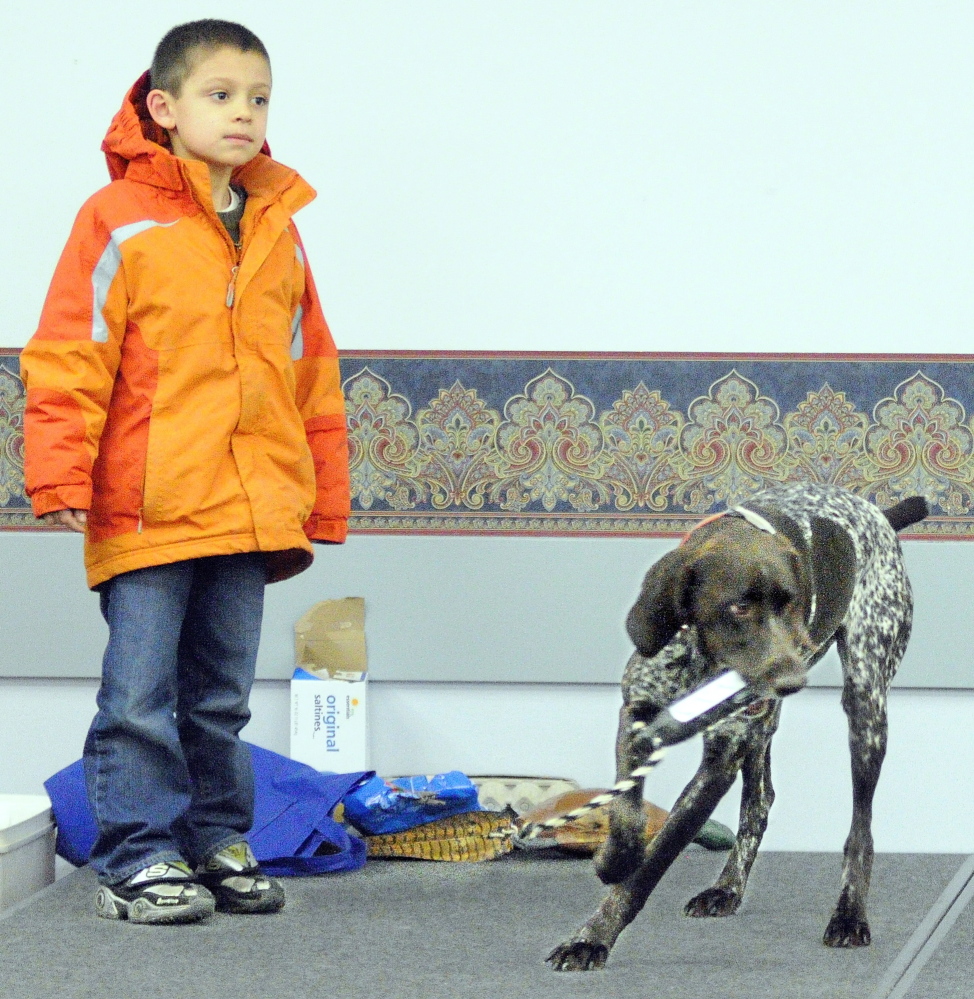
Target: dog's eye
[779,601]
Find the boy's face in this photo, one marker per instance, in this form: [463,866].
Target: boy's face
[220,115]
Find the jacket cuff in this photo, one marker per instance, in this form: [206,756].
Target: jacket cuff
[333,529]
[62,498]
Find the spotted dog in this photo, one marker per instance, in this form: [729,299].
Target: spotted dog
[764,589]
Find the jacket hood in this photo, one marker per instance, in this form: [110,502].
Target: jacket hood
[137,148]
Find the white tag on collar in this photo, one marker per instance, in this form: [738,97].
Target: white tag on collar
[755,519]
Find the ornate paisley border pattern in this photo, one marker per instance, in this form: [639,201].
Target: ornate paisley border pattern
[621,444]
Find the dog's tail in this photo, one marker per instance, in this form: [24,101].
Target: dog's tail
[909,511]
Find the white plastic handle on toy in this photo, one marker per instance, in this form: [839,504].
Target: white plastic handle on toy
[701,700]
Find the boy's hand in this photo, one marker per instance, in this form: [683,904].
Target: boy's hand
[73,519]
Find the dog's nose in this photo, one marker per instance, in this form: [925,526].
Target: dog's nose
[787,676]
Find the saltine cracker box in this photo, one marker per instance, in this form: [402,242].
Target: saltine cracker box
[328,689]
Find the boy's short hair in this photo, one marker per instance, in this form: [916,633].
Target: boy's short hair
[175,55]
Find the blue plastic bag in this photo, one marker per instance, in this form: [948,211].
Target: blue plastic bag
[293,833]
[379,806]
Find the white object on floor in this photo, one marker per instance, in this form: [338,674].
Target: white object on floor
[26,846]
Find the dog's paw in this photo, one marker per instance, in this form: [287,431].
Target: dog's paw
[846,929]
[578,955]
[713,902]
[617,858]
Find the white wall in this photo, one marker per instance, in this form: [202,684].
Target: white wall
[561,174]
[458,609]
[923,802]
[565,175]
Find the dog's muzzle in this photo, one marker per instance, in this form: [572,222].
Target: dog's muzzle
[787,676]
[784,667]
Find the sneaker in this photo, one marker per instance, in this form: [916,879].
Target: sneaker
[163,893]
[237,882]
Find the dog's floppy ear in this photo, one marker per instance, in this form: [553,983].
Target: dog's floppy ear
[833,577]
[659,611]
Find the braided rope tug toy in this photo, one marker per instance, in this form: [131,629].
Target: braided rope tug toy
[713,702]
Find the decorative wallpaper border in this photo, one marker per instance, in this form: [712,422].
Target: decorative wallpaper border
[621,444]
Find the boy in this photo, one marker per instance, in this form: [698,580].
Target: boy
[184,410]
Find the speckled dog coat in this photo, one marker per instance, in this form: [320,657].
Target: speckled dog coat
[861,600]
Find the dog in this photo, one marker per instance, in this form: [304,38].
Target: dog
[765,589]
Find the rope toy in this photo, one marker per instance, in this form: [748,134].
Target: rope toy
[701,709]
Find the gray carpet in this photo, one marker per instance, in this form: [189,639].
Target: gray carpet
[948,972]
[405,930]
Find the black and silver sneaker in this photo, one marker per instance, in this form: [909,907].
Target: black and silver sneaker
[166,892]
[237,882]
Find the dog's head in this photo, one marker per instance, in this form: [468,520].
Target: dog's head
[746,591]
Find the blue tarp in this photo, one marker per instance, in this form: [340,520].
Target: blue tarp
[293,832]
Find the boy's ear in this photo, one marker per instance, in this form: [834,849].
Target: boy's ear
[159,104]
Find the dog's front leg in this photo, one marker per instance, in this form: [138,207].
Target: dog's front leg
[625,847]
[757,796]
[589,948]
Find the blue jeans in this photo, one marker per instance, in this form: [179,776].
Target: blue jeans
[167,775]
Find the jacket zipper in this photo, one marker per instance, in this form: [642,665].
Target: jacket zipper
[145,475]
[231,289]
[232,286]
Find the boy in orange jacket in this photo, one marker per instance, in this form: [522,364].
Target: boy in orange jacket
[184,410]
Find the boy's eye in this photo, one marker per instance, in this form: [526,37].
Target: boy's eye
[260,101]
[220,95]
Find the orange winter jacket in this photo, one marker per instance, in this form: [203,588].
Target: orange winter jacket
[185,394]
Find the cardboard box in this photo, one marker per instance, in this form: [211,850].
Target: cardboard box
[329,724]
[26,846]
